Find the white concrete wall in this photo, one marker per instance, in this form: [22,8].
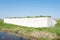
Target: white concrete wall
[30,22]
[53,22]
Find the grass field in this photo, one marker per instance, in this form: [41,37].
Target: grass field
[55,29]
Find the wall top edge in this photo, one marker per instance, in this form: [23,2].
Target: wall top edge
[29,17]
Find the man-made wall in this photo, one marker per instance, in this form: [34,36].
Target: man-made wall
[51,22]
[31,22]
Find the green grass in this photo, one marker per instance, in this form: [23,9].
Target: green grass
[57,28]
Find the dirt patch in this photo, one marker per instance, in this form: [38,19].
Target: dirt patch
[43,35]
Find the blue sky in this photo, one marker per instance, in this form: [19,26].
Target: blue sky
[20,8]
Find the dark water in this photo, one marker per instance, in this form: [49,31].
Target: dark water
[7,36]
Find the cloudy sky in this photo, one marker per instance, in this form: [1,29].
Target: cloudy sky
[20,8]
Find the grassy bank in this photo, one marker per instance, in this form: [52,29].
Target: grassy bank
[57,28]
